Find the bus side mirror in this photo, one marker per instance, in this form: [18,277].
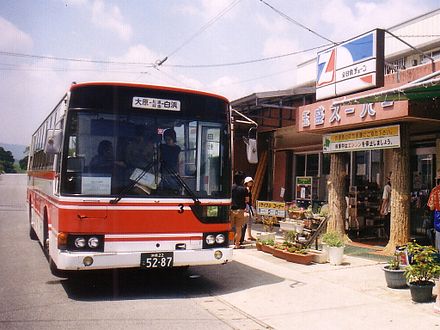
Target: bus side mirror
[53,142]
[251,150]
[251,145]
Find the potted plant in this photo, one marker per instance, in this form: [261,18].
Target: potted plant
[268,246]
[268,223]
[335,244]
[258,244]
[395,273]
[421,271]
[279,249]
[298,255]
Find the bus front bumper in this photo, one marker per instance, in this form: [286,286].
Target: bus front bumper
[88,260]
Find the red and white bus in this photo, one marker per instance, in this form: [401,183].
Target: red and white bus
[92,205]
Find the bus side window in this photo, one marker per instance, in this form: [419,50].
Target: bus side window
[75,164]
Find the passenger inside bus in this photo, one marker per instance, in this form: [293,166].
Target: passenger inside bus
[169,156]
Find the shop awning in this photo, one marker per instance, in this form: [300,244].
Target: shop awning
[427,87]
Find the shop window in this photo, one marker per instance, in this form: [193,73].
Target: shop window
[312,165]
[361,168]
[300,165]
[325,164]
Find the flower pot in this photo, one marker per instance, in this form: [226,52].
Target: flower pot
[299,228]
[325,248]
[278,253]
[287,225]
[335,255]
[319,257]
[421,291]
[304,259]
[265,236]
[258,245]
[267,248]
[395,278]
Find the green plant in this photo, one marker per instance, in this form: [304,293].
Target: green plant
[333,239]
[270,242]
[290,236]
[394,262]
[269,222]
[423,267]
[292,249]
[280,246]
[323,212]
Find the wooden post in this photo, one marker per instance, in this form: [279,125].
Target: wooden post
[400,193]
[336,197]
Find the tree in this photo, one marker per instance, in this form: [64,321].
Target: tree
[400,193]
[23,163]
[7,160]
[336,194]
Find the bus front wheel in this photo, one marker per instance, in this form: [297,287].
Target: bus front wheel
[32,234]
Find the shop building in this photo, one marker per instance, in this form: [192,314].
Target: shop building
[403,100]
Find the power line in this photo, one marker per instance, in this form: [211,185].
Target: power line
[243,62]
[144,65]
[68,59]
[200,31]
[296,22]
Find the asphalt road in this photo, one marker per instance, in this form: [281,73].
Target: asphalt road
[255,291]
[31,298]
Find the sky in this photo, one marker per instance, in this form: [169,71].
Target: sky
[229,47]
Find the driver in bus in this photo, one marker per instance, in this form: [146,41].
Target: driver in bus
[140,151]
[104,161]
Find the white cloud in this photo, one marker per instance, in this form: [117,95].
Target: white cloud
[109,17]
[348,22]
[207,9]
[273,26]
[274,46]
[12,38]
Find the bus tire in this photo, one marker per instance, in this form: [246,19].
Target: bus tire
[45,242]
[32,234]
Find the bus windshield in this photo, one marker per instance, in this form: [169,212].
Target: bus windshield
[108,154]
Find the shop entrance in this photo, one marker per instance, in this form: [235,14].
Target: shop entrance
[363,220]
[422,181]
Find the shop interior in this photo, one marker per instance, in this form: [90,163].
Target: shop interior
[367,172]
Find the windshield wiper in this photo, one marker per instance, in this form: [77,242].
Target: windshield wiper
[133,183]
[176,176]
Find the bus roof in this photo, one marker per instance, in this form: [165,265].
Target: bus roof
[139,85]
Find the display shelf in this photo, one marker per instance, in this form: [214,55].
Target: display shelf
[363,209]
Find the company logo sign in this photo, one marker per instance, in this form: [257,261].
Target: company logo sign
[352,66]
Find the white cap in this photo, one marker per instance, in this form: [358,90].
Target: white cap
[248,179]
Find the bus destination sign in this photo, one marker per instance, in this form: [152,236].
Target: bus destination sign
[155,104]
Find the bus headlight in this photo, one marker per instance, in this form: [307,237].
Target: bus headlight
[210,239]
[93,242]
[220,239]
[85,242]
[80,242]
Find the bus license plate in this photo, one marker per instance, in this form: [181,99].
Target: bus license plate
[157,260]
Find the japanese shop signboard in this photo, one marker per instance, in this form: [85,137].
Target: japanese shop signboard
[354,65]
[326,114]
[385,137]
[275,209]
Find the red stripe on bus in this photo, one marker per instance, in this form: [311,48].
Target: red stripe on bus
[50,175]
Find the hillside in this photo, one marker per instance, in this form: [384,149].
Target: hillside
[17,150]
